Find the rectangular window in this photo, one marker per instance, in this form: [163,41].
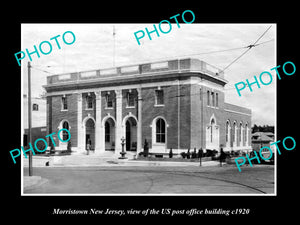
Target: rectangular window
[159,97]
[130,99]
[217,100]
[89,102]
[213,98]
[109,100]
[35,107]
[64,103]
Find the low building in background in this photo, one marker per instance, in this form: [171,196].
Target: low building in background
[261,139]
[38,114]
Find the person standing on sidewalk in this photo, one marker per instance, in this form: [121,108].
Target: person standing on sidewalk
[88,146]
[222,156]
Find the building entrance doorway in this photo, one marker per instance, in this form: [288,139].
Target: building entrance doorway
[131,134]
[109,132]
[90,134]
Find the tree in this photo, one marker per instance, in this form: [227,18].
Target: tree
[255,128]
[264,128]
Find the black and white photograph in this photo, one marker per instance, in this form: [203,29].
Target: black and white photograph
[151,112]
[177,113]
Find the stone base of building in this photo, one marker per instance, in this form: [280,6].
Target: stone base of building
[244,149]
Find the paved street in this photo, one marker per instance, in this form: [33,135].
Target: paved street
[154,180]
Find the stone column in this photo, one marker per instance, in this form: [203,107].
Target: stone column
[99,135]
[139,125]
[119,129]
[80,132]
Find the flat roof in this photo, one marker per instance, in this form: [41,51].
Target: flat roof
[138,73]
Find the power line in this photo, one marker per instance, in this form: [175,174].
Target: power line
[184,87]
[265,42]
[249,47]
[180,56]
[193,54]
[210,52]
[262,35]
[41,70]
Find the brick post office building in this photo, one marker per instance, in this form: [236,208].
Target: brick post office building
[176,104]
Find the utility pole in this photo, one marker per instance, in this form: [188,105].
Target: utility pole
[178,114]
[29,116]
[114,34]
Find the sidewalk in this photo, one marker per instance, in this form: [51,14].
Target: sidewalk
[32,181]
[98,160]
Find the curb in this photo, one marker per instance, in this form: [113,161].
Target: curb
[33,181]
[117,162]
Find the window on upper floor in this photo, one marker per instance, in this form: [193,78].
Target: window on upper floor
[35,107]
[200,94]
[212,99]
[109,100]
[208,97]
[64,103]
[130,99]
[89,102]
[217,100]
[159,97]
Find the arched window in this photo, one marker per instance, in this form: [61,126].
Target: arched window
[241,132]
[208,98]
[160,131]
[212,134]
[246,134]
[234,132]
[212,123]
[227,131]
[65,135]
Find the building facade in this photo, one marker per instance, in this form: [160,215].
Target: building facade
[38,114]
[176,104]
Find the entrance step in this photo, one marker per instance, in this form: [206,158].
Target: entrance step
[80,159]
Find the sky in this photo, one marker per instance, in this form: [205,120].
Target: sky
[94,49]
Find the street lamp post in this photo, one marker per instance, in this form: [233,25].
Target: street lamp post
[200,154]
[123,153]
